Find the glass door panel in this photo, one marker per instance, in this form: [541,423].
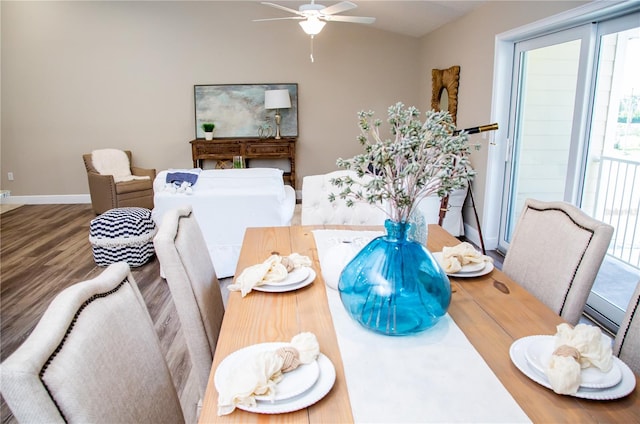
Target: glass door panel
[611,188]
[543,131]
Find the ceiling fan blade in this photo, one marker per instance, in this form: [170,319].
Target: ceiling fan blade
[277,6]
[338,8]
[352,19]
[279,19]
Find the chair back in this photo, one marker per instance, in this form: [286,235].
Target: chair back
[555,253]
[186,264]
[627,343]
[93,357]
[318,210]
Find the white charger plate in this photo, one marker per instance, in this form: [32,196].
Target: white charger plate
[518,350]
[480,269]
[296,276]
[292,384]
[539,353]
[289,287]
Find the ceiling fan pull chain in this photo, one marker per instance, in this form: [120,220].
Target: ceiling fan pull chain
[311,49]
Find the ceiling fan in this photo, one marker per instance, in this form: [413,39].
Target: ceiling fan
[314,16]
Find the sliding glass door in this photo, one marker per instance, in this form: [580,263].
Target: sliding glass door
[574,135]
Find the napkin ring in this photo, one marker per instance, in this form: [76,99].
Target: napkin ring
[566,350]
[291,358]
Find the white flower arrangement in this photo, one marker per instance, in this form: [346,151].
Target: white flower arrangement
[422,159]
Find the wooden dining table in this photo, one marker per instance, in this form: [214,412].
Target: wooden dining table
[492,311]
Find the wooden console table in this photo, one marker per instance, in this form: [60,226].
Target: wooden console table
[248,148]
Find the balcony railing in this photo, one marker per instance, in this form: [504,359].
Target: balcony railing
[617,203]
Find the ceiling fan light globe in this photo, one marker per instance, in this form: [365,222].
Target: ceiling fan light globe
[312,26]
[311,8]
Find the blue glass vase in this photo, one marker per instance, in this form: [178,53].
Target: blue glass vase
[394,286]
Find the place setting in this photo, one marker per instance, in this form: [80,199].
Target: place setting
[276,274]
[463,261]
[576,361]
[296,279]
[274,378]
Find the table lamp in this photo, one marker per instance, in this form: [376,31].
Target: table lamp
[277,99]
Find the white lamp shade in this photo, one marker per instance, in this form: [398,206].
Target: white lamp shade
[312,26]
[277,99]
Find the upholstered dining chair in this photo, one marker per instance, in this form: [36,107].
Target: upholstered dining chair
[627,342]
[555,253]
[110,191]
[318,210]
[187,267]
[94,356]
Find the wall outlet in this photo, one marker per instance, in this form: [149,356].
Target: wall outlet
[10,176]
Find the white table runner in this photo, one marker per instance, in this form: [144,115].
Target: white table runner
[435,376]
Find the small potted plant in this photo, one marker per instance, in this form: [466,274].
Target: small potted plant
[208,128]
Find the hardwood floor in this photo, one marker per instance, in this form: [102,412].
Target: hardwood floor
[44,249]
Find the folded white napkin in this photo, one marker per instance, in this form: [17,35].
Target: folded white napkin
[574,349]
[261,374]
[274,269]
[454,258]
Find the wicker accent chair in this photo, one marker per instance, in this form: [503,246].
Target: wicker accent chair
[107,194]
[555,253]
[627,343]
[187,267]
[94,356]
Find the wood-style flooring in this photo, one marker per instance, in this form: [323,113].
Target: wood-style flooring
[44,249]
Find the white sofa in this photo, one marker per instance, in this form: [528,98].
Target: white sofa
[317,209]
[225,203]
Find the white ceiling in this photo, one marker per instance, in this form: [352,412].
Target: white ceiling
[413,18]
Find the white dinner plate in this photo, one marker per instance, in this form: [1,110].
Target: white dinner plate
[517,352]
[289,287]
[481,269]
[488,267]
[292,384]
[539,353]
[294,277]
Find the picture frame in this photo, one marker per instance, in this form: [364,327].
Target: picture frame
[444,90]
[238,111]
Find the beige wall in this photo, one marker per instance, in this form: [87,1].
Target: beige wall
[469,42]
[77,76]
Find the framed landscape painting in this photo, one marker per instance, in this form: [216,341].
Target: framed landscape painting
[237,110]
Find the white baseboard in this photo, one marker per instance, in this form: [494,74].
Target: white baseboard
[47,200]
[473,235]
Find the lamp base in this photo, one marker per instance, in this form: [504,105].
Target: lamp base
[278,118]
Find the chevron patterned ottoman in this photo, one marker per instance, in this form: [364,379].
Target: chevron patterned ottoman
[123,235]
